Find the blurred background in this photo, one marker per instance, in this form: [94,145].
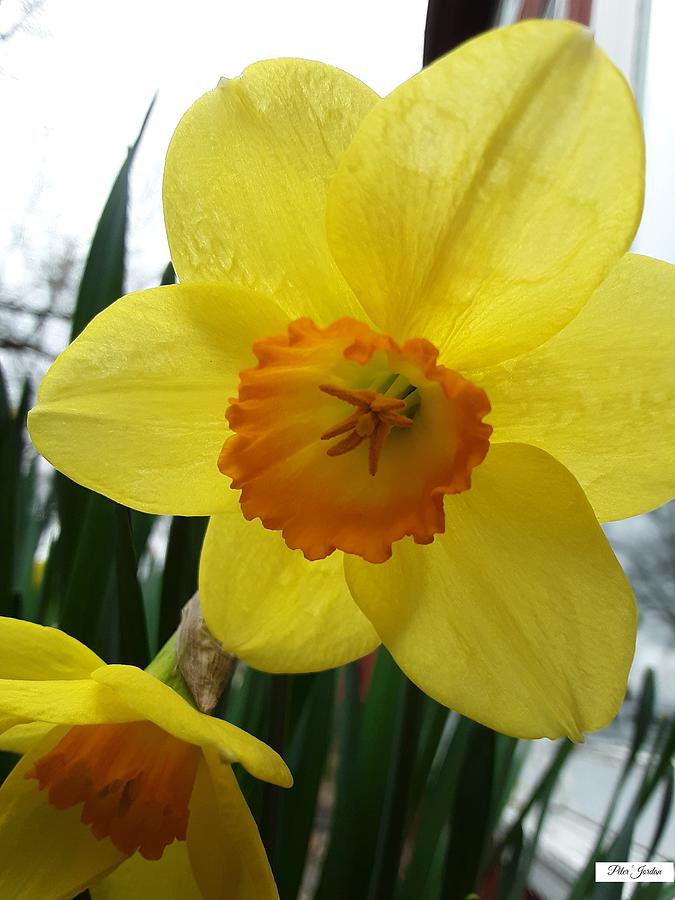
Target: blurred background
[76,82]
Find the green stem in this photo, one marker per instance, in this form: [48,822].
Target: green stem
[164,667]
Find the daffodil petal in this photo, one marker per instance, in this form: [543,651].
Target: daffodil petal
[33,651]
[68,702]
[135,407]
[599,395]
[20,738]
[270,606]
[482,202]
[155,701]
[45,852]
[223,841]
[170,878]
[7,724]
[246,178]
[519,615]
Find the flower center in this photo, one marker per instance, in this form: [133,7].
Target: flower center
[134,782]
[375,416]
[396,414]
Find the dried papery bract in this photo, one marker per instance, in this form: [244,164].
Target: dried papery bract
[201,659]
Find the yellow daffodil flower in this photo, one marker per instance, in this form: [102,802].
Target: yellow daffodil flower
[120,775]
[410,334]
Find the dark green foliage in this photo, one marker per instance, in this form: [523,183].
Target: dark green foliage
[469,814]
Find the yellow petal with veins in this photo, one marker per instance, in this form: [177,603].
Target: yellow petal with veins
[135,407]
[519,616]
[69,702]
[246,179]
[223,840]
[158,703]
[45,853]
[20,738]
[33,651]
[170,878]
[482,202]
[600,395]
[270,606]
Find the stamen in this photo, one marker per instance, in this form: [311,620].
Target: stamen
[366,424]
[349,443]
[376,445]
[383,404]
[347,425]
[359,397]
[375,417]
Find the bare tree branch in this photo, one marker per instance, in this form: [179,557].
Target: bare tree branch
[45,312]
[29,9]
[24,346]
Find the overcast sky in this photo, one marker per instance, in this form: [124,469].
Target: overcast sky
[74,89]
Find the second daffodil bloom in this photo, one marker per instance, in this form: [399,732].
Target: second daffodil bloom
[408,367]
[122,778]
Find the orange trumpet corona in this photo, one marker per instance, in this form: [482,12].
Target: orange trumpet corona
[414,432]
[134,782]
